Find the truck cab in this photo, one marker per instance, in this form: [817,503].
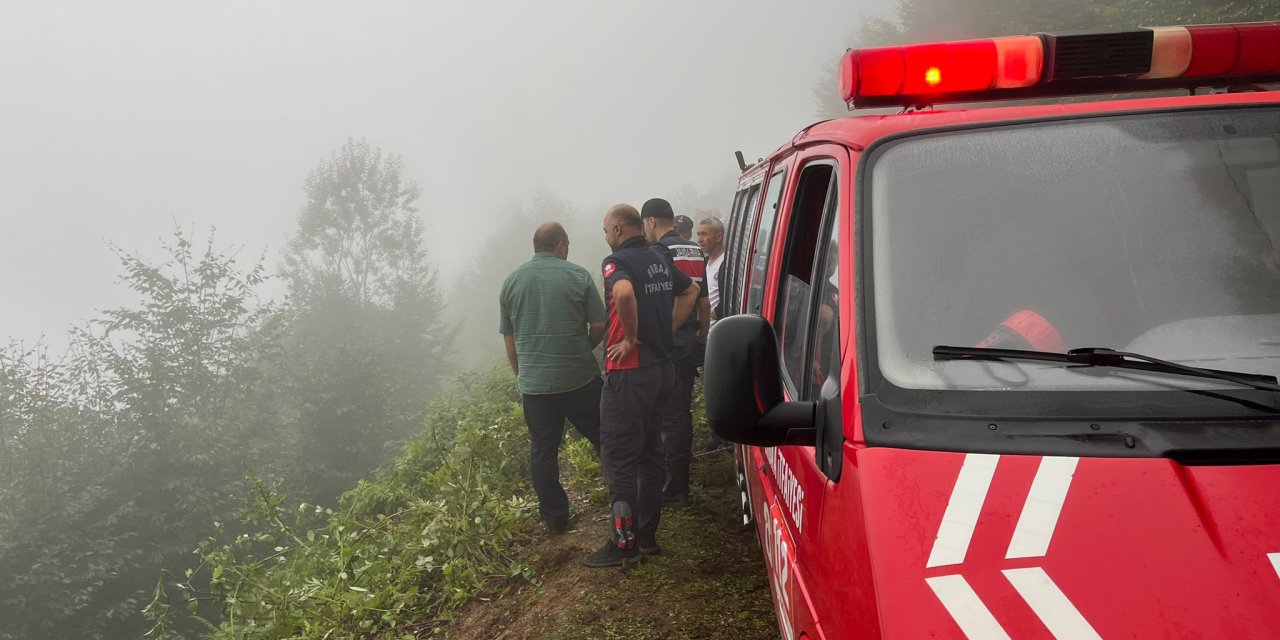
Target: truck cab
[1010,370]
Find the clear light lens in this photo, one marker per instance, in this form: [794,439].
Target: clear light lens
[1170,53]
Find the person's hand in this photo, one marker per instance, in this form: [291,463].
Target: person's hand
[702,337]
[621,350]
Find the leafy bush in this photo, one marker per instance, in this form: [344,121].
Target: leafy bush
[399,553]
[115,457]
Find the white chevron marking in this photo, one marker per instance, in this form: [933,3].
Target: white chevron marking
[959,599]
[1275,561]
[1043,506]
[963,509]
[1050,604]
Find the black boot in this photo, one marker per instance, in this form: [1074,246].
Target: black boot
[610,555]
[621,549]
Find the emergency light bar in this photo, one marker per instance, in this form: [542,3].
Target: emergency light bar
[1046,65]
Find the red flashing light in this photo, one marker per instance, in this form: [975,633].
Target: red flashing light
[848,75]
[1234,50]
[941,69]
[949,68]
[882,72]
[1213,50]
[1259,48]
[1042,65]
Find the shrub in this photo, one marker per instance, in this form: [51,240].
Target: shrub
[401,551]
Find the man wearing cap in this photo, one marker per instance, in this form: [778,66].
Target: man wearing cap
[684,227]
[646,298]
[689,341]
[551,317]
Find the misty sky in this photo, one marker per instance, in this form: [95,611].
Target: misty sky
[122,119]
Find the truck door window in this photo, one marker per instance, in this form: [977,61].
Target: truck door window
[764,240]
[741,255]
[735,255]
[826,337]
[815,194]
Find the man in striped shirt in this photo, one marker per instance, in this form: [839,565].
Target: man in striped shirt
[689,344]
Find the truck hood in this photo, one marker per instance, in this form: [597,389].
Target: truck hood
[1003,546]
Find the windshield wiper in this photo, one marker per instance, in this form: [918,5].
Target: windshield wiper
[1104,357]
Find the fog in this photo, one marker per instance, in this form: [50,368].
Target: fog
[124,121]
[194,400]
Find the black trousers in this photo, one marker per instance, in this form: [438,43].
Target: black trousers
[545,416]
[631,441]
[677,430]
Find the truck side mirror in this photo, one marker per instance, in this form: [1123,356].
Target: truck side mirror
[742,385]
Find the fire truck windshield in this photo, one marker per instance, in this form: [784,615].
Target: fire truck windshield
[1153,233]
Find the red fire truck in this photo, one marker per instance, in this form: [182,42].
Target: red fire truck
[1010,371]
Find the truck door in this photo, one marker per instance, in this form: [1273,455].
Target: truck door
[796,299]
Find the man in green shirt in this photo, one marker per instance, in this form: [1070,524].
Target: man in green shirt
[551,317]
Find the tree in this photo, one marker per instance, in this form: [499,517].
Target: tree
[115,459]
[367,345]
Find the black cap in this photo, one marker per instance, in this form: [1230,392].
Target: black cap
[684,224]
[657,208]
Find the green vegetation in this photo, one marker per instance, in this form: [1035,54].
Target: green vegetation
[262,435]
[408,553]
[709,582]
[115,458]
[119,456]
[435,527]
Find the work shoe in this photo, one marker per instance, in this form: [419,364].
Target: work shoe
[611,556]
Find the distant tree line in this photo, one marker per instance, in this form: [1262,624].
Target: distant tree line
[935,20]
[119,456]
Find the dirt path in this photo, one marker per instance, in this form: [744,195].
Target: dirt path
[710,581]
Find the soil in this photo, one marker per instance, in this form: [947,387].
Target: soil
[709,582]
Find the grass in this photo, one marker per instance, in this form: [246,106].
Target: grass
[710,582]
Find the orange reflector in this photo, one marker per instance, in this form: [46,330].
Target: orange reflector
[1019,61]
[1170,53]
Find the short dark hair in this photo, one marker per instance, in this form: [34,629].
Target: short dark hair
[548,236]
[657,208]
[626,215]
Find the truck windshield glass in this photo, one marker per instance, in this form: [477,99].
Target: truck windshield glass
[1156,233]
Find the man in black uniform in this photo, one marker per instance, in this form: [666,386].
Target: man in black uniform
[677,420]
[646,299]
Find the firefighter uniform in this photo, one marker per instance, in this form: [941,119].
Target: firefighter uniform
[636,387]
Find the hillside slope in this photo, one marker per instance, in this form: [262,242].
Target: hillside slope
[710,581]
[445,542]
